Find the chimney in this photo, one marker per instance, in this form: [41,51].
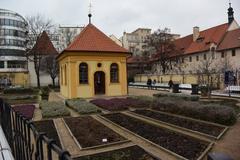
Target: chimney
[195,33]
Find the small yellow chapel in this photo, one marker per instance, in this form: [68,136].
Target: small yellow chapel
[93,65]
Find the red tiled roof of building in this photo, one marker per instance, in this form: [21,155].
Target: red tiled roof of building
[136,59]
[231,40]
[93,40]
[206,37]
[44,46]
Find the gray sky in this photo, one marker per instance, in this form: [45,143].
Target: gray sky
[116,16]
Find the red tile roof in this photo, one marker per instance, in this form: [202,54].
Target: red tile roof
[93,40]
[231,40]
[43,45]
[211,35]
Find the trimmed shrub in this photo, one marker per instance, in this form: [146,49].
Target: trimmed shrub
[20,91]
[179,96]
[53,109]
[82,106]
[210,112]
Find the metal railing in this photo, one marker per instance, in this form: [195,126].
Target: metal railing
[25,141]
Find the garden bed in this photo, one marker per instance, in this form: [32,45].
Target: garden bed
[129,153]
[82,106]
[115,104]
[91,133]
[209,129]
[53,109]
[119,104]
[26,110]
[175,143]
[48,127]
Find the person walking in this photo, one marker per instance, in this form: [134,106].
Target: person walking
[170,84]
[154,84]
[149,83]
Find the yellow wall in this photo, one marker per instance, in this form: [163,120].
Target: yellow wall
[72,88]
[187,79]
[217,80]
[17,78]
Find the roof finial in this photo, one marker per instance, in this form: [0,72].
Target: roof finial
[229,3]
[90,11]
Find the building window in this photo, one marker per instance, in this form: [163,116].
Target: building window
[233,52]
[222,54]
[1,64]
[114,73]
[204,56]
[190,59]
[61,71]
[83,73]
[65,75]
[197,58]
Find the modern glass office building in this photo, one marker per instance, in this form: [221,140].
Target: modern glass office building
[13,38]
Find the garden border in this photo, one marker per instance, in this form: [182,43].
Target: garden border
[198,120]
[60,138]
[182,128]
[71,134]
[97,146]
[156,145]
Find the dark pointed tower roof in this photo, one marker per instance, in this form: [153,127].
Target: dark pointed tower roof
[230,14]
[91,39]
[44,45]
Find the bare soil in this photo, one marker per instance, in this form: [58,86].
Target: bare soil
[129,153]
[48,127]
[89,132]
[188,147]
[182,122]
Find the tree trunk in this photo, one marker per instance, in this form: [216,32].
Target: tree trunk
[53,81]
[38,80]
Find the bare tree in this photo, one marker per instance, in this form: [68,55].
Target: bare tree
[68,35]
[206,70]
[37,24]
[161,43]
[50,65]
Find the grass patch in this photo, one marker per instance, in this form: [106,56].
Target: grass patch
[82,106]
[53,109]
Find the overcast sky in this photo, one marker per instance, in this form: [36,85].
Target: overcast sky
[116,16]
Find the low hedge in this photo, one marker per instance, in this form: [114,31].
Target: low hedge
[22,97]
[178,96]
[20,91]
[82,106]
[209,112]
[53,109]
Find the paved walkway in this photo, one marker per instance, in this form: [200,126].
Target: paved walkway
[67,140]
[230,142]
[142,92]
[37,113]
